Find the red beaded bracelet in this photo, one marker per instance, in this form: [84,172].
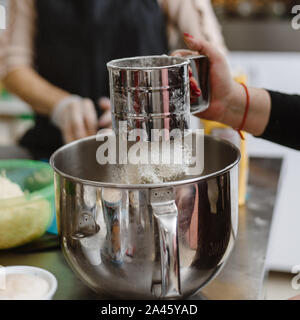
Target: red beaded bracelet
[239,130]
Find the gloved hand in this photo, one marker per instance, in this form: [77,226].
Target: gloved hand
[76,117]
[105,119]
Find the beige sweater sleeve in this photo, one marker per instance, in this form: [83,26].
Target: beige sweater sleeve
[16,42]
[195,17]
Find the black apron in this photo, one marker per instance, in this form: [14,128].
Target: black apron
[76,38]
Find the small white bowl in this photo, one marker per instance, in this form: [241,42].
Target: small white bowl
[34,271]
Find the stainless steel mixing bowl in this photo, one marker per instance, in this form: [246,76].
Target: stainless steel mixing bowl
[146,241]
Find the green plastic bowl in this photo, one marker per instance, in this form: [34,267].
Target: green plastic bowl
[27,218]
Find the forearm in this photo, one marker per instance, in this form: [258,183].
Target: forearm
[41,95]
[271,115]
[258,112]
[283,126]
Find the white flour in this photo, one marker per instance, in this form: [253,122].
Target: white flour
[156,173]
[9,189]
[24,287]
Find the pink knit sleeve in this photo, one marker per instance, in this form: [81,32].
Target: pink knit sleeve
[195,17]
[16,42]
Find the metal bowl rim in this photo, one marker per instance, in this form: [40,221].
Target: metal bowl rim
[142,186]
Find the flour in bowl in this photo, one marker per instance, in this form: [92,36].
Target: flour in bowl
[24,287]
[159,172]
[8,189]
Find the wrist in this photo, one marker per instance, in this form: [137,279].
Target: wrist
[58,98]
[258,114]
[235,106]
[60,107]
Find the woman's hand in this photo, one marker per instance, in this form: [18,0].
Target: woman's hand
[223,87]
[76,117]
[105,119]
[228,98]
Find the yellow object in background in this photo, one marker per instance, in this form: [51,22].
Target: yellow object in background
[222,131]
[225,132]
[22,221]
[241,78]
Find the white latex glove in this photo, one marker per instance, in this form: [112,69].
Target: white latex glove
[105,119]
[76,117]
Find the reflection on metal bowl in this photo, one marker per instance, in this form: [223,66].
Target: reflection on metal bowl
[146,241]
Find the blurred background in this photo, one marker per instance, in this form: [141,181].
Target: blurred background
[265,49]
[258,25]
[264,45]
[15,116]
